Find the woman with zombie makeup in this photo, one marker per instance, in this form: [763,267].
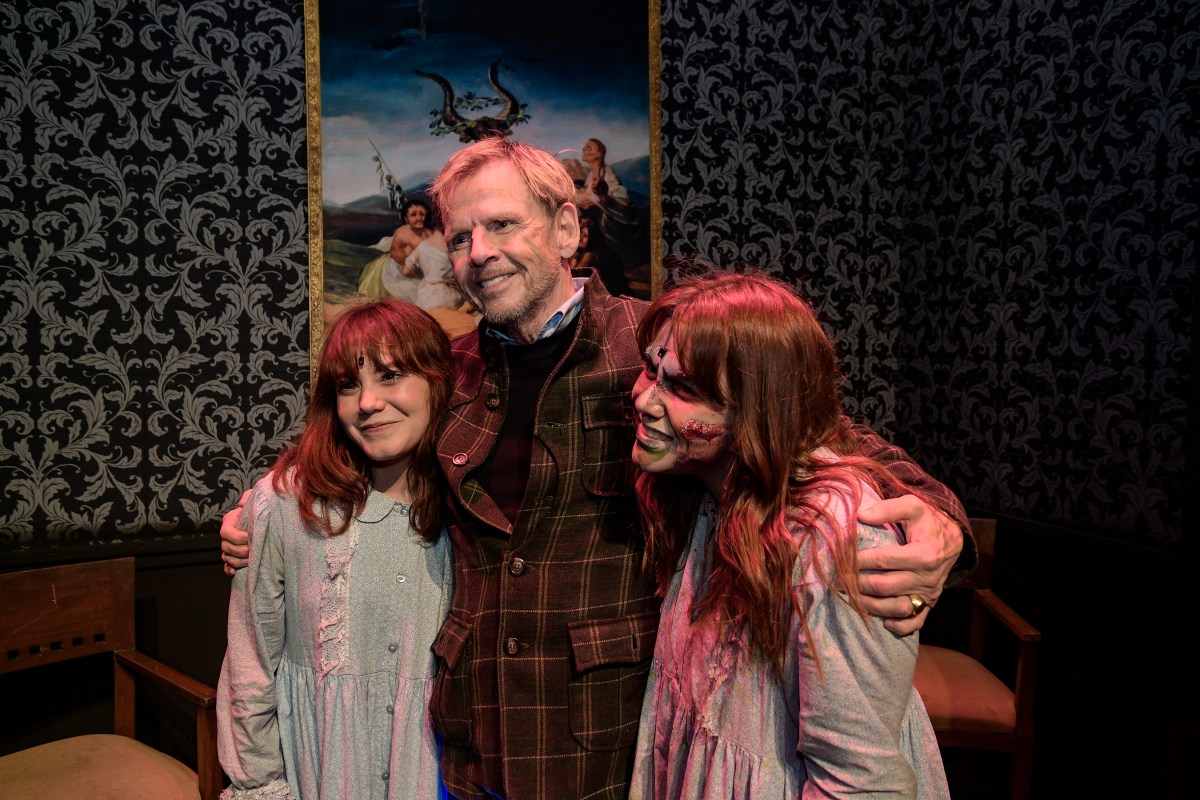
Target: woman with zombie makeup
[769,678]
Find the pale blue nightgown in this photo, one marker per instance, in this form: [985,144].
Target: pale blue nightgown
[325,686]
[715,725]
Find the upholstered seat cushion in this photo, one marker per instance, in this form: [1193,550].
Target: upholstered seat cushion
[95,767]
[959,692]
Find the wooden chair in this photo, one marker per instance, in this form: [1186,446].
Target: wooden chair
[62,613]
[970,706]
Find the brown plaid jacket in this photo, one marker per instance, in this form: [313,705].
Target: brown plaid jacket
[544,657]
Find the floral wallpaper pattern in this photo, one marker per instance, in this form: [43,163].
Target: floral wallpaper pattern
[991,202]
[153,328]
[994,205]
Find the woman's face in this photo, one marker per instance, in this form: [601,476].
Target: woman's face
[680,431]
[385,412]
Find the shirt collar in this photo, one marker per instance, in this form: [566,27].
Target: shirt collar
[379,507]
[565,314]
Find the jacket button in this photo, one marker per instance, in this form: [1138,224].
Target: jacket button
[517,566]
[493,401]
[459,459]
[512,646]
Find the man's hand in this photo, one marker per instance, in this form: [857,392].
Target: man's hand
[235,544]
[892,579]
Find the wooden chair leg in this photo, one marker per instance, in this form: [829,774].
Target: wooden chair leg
[1021,774]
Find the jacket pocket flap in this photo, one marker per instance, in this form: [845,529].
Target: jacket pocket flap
[607,410]
[620,640]
[451,640]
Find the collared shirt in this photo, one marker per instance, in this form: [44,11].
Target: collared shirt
[558,320]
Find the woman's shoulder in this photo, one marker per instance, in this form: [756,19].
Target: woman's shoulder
[833,502]
[272,495]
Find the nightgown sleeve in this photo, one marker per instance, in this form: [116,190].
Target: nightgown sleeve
[247,722]
[855,685]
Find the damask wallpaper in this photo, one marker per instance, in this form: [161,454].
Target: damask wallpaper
[153,328]
[994,205]
[991,202]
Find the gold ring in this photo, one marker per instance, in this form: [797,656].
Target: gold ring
[917,603]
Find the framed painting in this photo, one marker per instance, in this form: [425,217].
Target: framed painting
[394,89]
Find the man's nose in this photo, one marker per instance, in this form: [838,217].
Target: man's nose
[482,248]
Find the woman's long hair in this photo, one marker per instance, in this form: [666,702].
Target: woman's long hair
[750,342]
[329,474]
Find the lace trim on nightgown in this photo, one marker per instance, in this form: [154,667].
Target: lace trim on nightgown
[275,790]
[333,640]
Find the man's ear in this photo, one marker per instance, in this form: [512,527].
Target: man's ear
[566,229]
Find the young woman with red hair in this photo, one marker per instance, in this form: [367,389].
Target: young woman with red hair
[326,679]
[769,678]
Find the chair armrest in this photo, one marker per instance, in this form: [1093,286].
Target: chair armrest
[204,698]
[1002,611]
[190,689]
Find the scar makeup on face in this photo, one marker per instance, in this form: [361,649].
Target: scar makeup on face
[704,440]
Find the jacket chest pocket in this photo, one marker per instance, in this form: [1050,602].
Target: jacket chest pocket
[608,444]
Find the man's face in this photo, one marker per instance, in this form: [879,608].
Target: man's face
[415,217]
[507,252]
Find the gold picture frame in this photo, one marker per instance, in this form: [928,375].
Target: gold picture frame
[316,186]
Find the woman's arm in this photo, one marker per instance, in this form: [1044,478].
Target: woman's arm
[247,721]
[854,688]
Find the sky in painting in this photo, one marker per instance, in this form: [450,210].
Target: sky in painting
[581,70]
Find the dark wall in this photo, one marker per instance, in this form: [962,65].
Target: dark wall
[992,204]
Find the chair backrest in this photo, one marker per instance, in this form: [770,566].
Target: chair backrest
[60,613]
[984,529]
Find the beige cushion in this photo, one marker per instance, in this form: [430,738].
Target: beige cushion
[960,693]
[96,767]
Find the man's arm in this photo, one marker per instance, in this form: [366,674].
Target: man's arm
[235,543]
[937,532]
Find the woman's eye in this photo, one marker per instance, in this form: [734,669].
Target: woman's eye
[677,387]
[347,386]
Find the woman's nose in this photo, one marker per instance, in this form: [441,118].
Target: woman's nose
[647,400]
[369,401]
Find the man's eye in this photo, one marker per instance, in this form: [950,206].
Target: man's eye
[458,242]
[502,224]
